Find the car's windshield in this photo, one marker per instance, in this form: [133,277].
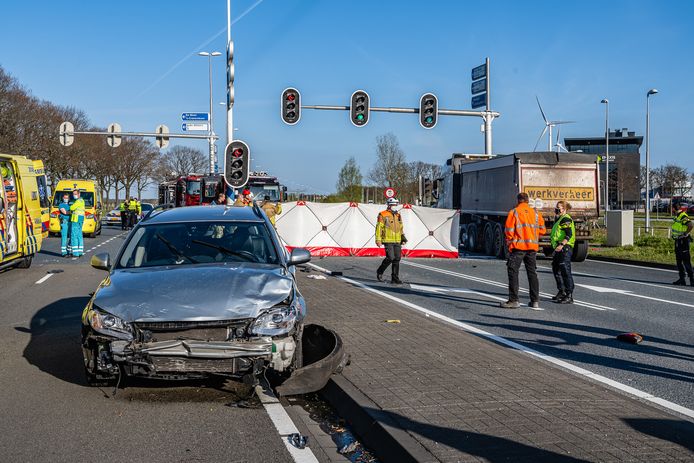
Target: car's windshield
[87,196]
[198,242]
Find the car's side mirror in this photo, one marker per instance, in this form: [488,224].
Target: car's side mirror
[101,261]
[299,256]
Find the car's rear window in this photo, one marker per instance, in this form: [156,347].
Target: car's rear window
[199,243]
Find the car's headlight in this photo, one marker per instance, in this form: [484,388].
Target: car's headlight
[108,324]
[277,321]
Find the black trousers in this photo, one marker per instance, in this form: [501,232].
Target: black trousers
[393,256]
[683,257]
[132,218]
[513,266]
[123,220]
[561,267]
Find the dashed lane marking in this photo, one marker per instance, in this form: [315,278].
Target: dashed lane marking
[632,265]
[507,342]
[44,278]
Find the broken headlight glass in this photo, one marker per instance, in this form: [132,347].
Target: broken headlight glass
[277,321]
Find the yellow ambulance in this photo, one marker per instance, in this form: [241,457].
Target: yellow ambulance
[20,210]
[92,201]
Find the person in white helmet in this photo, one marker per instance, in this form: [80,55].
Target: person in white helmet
[389,233]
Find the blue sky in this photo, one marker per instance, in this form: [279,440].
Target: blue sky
[109,59]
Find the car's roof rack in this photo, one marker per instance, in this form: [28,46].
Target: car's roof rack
[160,208]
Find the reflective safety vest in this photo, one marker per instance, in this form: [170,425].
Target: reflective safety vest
[77,209]
[389,227]
[122,207]
[132,206]
[680,225]
[272,210]
[524,226]
[559,231]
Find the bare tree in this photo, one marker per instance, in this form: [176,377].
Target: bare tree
[349,181]
[391,169]
[180,160]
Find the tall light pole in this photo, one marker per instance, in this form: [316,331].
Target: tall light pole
[210,131]
[652,91]
[606,102]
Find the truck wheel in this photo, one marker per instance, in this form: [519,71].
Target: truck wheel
[26,262]
[463,236]
[488,240]
[580,251]
[472,237]
[499,242]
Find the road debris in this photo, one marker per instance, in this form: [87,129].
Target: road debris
[632,338]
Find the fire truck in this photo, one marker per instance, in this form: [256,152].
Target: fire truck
[197,189]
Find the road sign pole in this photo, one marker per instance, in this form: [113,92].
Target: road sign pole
[488,118]
[489,92]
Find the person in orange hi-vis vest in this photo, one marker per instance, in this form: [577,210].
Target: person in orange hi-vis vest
[524,226]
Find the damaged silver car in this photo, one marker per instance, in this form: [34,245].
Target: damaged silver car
[200,291]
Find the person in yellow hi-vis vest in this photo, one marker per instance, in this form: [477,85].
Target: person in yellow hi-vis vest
[272,210]
[389,233]
[76,222]
[682,234]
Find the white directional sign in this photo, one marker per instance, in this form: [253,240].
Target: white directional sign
[67,135]
[193,126]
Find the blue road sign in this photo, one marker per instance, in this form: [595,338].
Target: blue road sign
[195,116]
[479,72]
[479,86]
[479,100]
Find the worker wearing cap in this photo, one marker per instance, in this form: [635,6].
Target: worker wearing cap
[76,222]
[389,233]
[244,199]
[524,226]
[682,234]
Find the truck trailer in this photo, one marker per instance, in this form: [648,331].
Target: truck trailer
[484,189]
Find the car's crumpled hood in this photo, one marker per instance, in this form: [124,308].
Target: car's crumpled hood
[193,292]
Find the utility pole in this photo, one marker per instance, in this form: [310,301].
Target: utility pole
[210,130]
[230,77]
[606,102]
[648,158]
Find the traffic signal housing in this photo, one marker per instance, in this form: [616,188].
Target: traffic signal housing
[237,157]
[428,110]
[290,108]
[359,108]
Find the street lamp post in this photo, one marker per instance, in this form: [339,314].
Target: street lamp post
[606,102]
[652,91]
[210,128]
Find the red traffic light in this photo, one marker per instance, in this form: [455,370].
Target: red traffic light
[237,153]
[291,97]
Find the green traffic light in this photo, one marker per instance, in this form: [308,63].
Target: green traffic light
[360,117]
[429,120]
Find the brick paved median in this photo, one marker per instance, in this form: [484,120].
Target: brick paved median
[466,398]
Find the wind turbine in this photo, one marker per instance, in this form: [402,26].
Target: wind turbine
[549,125]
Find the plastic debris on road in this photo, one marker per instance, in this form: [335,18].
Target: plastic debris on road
[298,441]
[393,321]
[632,338]
[316,277]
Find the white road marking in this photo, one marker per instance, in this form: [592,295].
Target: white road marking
[507,342]
[443,289]
[284,425]
[589,305]
[44,278]
[667,286]
[625,292]
[632,265]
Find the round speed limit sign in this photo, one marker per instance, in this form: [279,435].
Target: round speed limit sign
[389,192]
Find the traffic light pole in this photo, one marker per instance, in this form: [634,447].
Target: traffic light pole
[63,134]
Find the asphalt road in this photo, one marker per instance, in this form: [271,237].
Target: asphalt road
[610,299]
[48,412]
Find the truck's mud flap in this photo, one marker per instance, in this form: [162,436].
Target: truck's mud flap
[323,354]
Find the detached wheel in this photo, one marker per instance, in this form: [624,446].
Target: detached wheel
[25,262]
[580,251]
